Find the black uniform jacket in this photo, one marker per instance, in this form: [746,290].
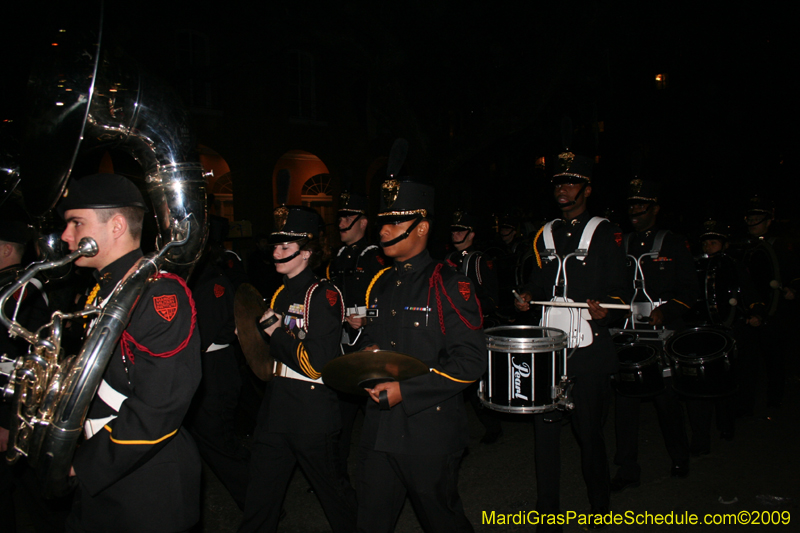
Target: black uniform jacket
[141,472]
[353,268]
[600,276]
[213,293]
[291,405]
[670,277]
[481,271]
[443,332]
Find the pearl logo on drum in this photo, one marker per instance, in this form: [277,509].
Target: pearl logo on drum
[520,371]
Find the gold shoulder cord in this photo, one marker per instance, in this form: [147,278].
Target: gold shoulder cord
[372,283]
[535,249]
[275,297]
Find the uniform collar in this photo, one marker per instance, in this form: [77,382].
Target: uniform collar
[417,262]
[299,281]
[109,276]
[578,221]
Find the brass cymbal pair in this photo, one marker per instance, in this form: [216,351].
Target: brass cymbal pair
[350,373]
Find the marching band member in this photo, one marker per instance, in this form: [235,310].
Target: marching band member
[299,420]
[599,277]
[415,431]
[670,280]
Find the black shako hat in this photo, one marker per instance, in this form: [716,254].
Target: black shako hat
[713,229]
[572,168]
[100,191]
[352,203]
[640,190]
[403,199]
[759,206]
[462,221]
[295,223]
[16,231]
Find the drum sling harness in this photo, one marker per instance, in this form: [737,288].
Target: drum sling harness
[571,320]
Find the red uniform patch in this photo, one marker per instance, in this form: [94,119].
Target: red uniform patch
[379,259]
[166,306]
[618,238]
[490,264]
[332,296]
[463,288]
[219,290]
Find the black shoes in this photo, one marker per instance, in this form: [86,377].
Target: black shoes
[680,471]
[618,484]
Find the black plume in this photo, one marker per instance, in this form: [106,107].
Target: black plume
[397,157]
[283,186]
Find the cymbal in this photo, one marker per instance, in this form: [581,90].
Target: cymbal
[248,308]
[354,372]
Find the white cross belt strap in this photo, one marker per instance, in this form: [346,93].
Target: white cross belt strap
[214,347]
[111,398]
[286,372]
[583,245]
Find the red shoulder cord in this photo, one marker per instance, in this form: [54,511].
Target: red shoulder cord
[436,282]
[128,338]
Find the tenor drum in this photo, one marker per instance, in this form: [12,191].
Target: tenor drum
[640,369]
[526,364]
[702,362]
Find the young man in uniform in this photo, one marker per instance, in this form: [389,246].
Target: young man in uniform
[671,281]
[599,277]
[138,469]
[469,261]
[351,270]
[415,431]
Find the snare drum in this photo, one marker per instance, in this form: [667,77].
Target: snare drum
[702,362]
[526,364]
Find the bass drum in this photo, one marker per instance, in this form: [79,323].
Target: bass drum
[719,282]
[702,362]
[641,373]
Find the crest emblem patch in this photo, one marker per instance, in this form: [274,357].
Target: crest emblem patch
[219,290]
[332,296]
[618,238]
[166,306]
[463,288]
[636,186]
[391,188]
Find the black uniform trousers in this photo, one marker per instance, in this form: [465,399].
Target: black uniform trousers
[212,421]
[274,457]
[670,419]
[385,479]
[591,394]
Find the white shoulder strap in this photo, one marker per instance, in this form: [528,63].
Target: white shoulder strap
[586,236]
[658,242]
[549,243]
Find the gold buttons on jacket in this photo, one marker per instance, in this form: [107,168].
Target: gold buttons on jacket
[398,282]
[416,324]
[312,387]
[394,313]
[438,407]
[393,343]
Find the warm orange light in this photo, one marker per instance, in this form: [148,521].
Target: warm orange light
[54,44]
[658,77]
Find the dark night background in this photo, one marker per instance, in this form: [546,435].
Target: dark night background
[481,90]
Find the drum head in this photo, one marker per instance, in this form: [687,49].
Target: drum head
[525,339]
[636,354]
[699,344]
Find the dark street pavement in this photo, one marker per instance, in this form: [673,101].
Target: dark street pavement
[756,475]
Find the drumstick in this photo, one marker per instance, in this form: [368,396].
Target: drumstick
[581,304]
